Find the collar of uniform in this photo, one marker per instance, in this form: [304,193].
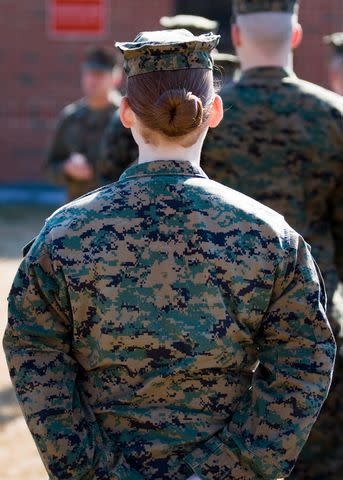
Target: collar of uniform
[266,74]
[163,167]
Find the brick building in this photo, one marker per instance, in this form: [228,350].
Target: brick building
[40,60]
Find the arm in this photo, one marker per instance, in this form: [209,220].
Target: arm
[336,209]
[296,353]
[58,153]
[38,347]
[336,199]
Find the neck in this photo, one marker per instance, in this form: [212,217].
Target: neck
[169,151]
[97,103]
[255,59]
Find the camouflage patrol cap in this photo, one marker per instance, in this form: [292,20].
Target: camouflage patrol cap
[195,24]
[168,50]
[241,7]
[336,42]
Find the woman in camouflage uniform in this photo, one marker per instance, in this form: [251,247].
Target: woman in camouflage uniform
[165,326]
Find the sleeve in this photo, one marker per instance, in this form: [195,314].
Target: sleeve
[38,348]
[334,163]
[297,350]
[118,150]
[336,209]
[58,153]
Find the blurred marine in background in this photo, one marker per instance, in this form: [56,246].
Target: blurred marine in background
[73,156]
[281,142]
[336,63]
[119,150]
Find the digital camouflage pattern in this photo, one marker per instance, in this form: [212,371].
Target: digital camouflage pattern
[79,130]
[281,142]
[241,7]
[167,50]
[137,319]
[322,457]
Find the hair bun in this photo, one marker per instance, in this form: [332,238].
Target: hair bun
[178,112]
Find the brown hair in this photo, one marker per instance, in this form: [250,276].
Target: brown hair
[174,103]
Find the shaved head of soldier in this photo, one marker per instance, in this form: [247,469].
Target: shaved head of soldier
[266,38]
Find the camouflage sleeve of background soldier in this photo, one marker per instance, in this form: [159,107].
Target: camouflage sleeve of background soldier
[336,208]
[58,152]
[296,353]
[118,151]
[37,344]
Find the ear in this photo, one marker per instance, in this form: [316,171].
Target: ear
[217,112]
[236,35]
[126,114]
[297,36]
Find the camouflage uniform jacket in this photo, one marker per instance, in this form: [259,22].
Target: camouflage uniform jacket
[281,142]
[136,322]
[79,130]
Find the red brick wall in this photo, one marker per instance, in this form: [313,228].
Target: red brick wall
[41,75]
[318,18]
